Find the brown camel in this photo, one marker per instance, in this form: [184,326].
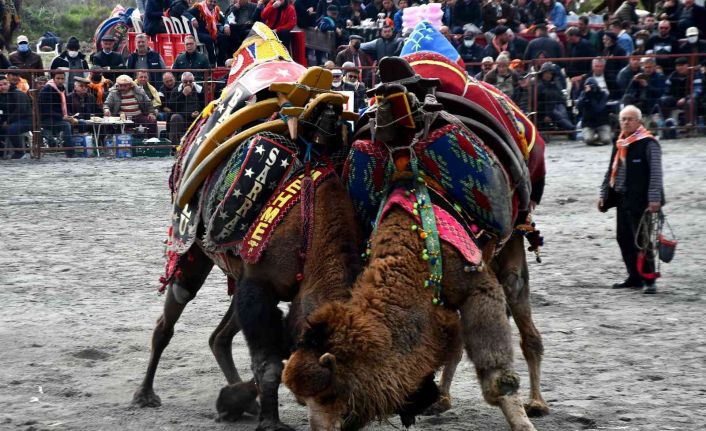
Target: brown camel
[327,272]
[367,358]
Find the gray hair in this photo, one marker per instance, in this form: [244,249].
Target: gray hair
[187,75]
[634,109]
[598,60]
[651,60]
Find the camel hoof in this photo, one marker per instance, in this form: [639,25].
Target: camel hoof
[536,409]
[234,400]
[273,426]
[146,398]
[438,407]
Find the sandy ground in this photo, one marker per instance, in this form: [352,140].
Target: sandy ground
[81,253]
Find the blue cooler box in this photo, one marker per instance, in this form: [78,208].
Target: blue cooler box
[85,141]
[120,145]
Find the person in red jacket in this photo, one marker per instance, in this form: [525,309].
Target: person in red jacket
[280,16]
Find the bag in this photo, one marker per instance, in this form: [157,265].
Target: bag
[665,247]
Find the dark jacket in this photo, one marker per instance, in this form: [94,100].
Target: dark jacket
[581,49]
[50,105]
[347,13]
[168,97]
[550,47]
[27,60]
[304,20]
[472,54]
[549,94]
[243,16]
[467,11]
[663,45]
[638,176]
[646,97]
[113,60]
[186,105]
[191,61]
[15,105]
[623,80]
[491,15]
[178,8]
[592,106]
[153,23]
[358,94]
[154,61]
[86,106]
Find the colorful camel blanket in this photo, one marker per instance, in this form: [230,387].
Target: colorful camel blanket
[463,169]
[450,230]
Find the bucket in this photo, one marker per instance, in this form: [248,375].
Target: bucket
[666,248]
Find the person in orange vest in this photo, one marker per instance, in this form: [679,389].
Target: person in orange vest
[16,81]
[99,85]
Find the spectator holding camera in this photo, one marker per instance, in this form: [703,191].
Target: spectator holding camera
[595,117]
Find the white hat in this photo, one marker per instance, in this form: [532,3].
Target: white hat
[692,31]
[123,79]
[487,60]
[22,39]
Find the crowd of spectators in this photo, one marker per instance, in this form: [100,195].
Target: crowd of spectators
[651,59]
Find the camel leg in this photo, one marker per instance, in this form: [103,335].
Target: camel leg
[262,326]
[514,276]
[447,376]
[488,340]
[221,342]
[179,293]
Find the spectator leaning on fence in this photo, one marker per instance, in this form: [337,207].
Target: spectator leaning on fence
[73,59]
[15,118]
[145,58]
[54,110]
[127,98]
[108,59]
[191,59]
[24,58]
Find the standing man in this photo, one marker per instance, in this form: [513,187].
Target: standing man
[108,59]
[633,184]
[24,58]
[145,58]
[73,59]
[208,22]
[15,117]
[191,59]
[240,16]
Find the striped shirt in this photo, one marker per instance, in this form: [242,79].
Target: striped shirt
[129,105]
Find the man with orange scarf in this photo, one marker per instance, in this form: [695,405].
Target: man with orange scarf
[209,23]
[54,110]
[633,184]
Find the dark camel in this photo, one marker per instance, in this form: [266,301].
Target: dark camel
[328,273]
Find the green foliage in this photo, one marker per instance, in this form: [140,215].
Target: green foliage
[64,17]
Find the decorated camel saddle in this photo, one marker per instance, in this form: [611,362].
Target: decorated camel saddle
[275,125]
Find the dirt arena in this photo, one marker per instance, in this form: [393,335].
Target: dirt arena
[81,254]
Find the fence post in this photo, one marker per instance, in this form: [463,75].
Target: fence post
[35,150]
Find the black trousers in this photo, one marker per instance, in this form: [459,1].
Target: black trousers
[628,220]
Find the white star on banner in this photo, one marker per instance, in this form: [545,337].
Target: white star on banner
[260,150]
[249,172]
[237,193]
[285,163]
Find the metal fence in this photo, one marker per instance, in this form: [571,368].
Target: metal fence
[550,103]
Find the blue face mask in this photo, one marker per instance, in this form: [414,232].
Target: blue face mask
[23,47]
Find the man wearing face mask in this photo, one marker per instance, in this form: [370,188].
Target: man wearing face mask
[108,59]
[470,52]
[693,45]
[337,82]
[352,83]
[71,59]
[352,53]
[24,58]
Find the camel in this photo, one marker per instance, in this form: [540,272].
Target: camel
[321,227]
[363,359]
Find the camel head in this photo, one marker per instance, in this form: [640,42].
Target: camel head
[328,373]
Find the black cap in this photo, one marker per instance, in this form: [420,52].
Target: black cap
[82,79]
[356,36]
[681,60]
[332,8]
[108,37]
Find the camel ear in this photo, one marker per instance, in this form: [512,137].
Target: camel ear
[328,360]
